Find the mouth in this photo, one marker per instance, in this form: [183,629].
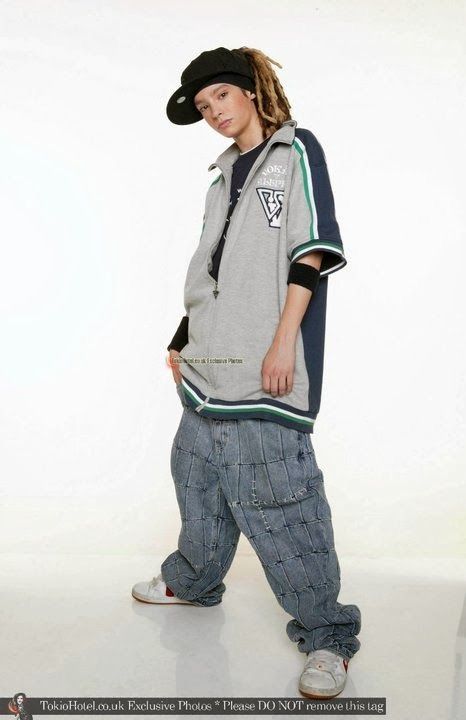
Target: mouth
[224,123]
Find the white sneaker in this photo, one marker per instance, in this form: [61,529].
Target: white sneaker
[156,591]
[324,674]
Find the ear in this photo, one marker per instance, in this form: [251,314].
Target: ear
[252,95]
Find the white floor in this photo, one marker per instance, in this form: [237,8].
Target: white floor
[71,628]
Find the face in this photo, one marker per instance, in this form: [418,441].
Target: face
[224,102]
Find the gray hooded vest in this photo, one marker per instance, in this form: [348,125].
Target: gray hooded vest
[285,210]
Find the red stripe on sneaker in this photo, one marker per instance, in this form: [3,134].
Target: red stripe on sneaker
[345,663]
[169,592]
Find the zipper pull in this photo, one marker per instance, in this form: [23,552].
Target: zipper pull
[215,290]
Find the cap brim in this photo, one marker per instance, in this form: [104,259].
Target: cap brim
[180,107]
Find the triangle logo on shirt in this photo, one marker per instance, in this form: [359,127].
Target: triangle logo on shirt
[272,202]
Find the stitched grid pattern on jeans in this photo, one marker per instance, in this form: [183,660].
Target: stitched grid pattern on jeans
[262,479]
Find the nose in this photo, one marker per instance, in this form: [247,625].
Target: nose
[216,111]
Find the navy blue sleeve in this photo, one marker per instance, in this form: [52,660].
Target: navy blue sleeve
[311,220]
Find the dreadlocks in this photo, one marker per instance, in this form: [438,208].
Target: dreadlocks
[272,104]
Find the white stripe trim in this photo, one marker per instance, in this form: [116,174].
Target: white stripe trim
[252,406]
[332,269]
[305,251]
[315,222]
[320,246]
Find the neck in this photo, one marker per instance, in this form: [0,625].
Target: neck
[250,137]
[249,150]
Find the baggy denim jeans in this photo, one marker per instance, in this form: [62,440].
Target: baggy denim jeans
[260,478]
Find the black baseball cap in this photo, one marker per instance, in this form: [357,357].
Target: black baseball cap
[211,66]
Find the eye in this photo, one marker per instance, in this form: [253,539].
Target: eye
[225,92]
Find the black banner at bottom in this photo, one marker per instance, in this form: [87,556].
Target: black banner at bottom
[26,709]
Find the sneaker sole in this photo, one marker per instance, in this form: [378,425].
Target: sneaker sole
[321,696]
[136,596]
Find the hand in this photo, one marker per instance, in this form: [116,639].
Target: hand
[278,368]
[175,366]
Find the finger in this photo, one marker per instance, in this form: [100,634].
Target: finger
[266,383]
[289,383]
[282,385]
[171,362]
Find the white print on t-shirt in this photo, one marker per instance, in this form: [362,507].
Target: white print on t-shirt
[272,176]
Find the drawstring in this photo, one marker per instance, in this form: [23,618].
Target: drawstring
[199,407]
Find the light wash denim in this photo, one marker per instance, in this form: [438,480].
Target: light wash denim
[260,478]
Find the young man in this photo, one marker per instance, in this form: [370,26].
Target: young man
[250,380]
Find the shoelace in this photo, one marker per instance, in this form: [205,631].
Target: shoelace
[154,582]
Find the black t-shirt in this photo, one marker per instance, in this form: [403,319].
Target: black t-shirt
[241,168]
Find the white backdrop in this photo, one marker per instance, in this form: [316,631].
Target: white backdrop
[101,209]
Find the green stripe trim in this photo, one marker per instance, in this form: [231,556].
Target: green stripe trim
[307,184]
[203,226]
[216,180]
[247,408]
[317,244]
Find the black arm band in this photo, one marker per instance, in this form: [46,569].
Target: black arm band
[305,275]
[180,338]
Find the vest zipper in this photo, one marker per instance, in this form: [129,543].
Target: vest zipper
[259,160]
[214,247]
[215,290]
